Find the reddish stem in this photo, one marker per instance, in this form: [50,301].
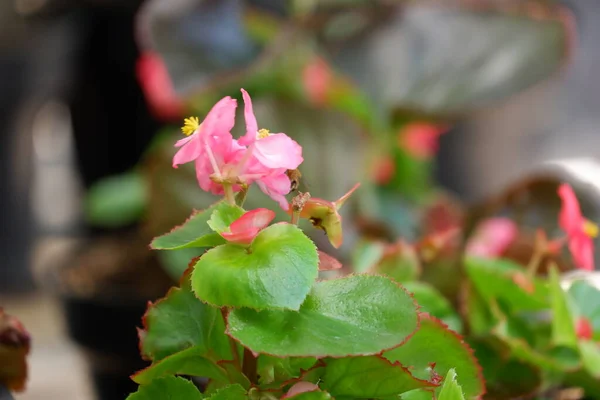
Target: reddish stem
[233,346]
[249,366]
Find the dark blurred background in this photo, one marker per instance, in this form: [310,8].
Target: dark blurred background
[89,86]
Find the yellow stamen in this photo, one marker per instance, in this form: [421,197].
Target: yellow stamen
[190,125]
[590,228]
[263,133]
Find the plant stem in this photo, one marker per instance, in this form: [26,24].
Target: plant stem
[240,198]
[229,193]
[232,344]
[249,366]
[535,261]
[295,217]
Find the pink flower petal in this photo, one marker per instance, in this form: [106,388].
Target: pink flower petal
[276,187]
[569,218]
[251,124]
[244,238]
[300,387]
[190,150]
[278,151]
[582,249]
[221,118]
[259,218]
[327,262]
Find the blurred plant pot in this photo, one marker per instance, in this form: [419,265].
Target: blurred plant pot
[105,284]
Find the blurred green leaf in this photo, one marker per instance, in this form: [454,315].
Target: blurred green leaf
[116,201]
[563,328]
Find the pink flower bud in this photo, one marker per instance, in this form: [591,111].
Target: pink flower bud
[244,229]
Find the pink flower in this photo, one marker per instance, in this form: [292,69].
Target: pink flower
[218,123]
[244,229]
[325,215]
[157,87]
[583,328]
[384,170]
[272,150]
[299,388]
[579,230]
[316,79]
[420,139]
[492,237]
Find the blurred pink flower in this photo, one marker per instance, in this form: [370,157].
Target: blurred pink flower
[579,230]
[158,88]
[492,237]
[583,328]
[421,139]
[244,229]
[384,170]
[316,79]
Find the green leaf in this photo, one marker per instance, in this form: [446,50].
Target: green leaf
[116,201]
[168,387]
[186,362]
[493,279]
[180,321]
[505,377]
[231,392]
[480,318]
[223,216]
[451,389]
[590,355]
[371,376]
[277,271]
[563,329]
[176,262]
[334,320]
[419,394]
[434,343]
[194,232]
[316,395]
[275,369]
[434,303]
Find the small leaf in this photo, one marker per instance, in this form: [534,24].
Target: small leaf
[275,369]
[434,343]
[116,201]
[180,321]
[434,303]
[277,271]
[334,320]
[186,362]
[223,216]
[194,232]
[563,329]
[168,387]
[366,255]
[451,389]
[371,376]
[231,392]
[494,279]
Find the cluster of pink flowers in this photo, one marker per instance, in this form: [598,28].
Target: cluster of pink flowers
[223,162]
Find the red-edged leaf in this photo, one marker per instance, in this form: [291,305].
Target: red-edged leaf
[327,262]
